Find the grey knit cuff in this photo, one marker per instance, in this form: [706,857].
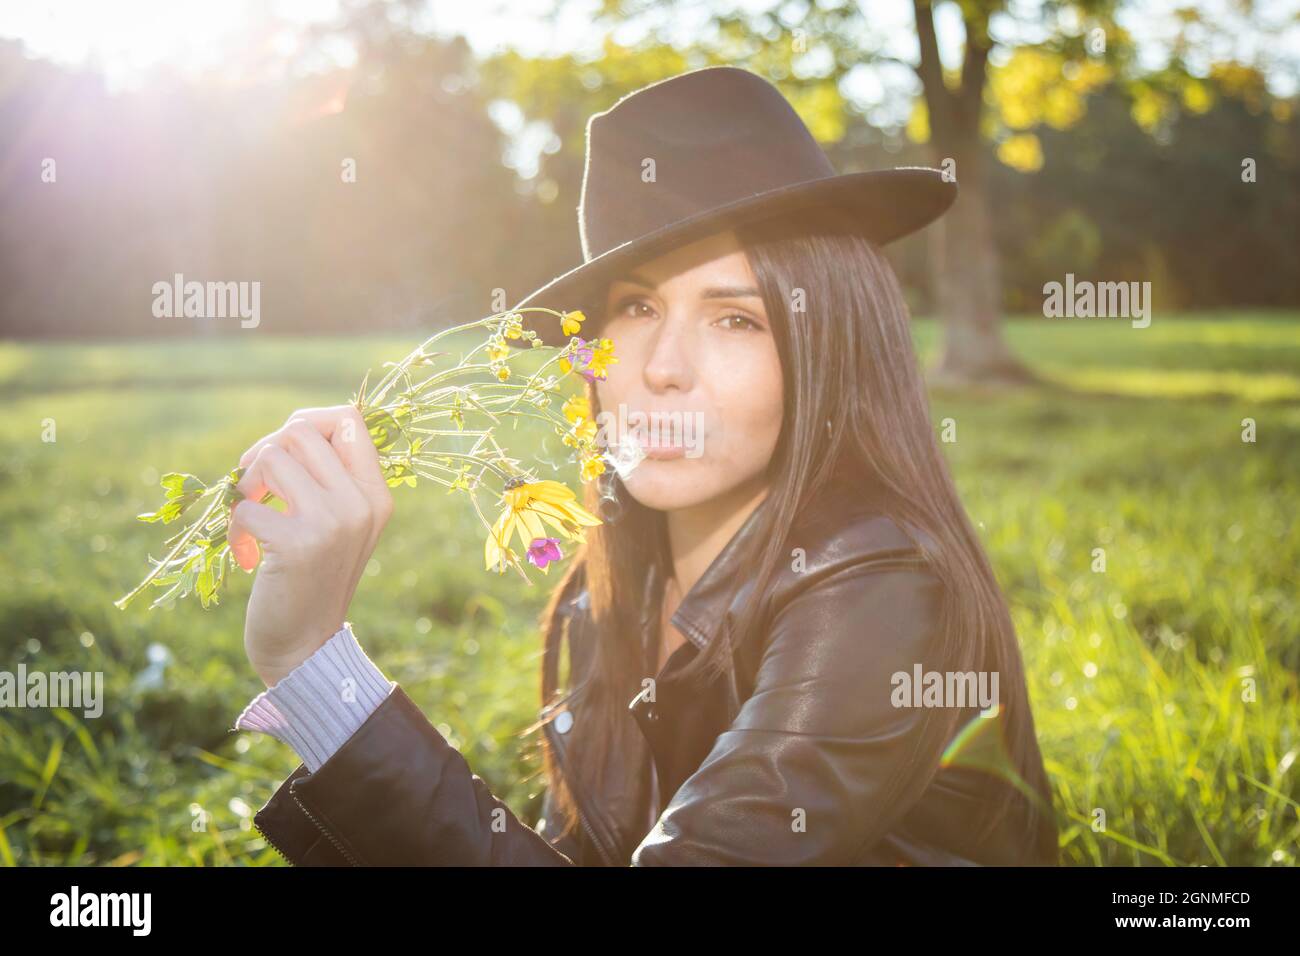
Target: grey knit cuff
[318,705]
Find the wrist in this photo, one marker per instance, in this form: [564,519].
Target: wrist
[272,674]
[274,668]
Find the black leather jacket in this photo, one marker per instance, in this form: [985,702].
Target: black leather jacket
[786,764]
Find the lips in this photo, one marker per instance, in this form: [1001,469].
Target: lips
[662,452]
[657,435]
[662,442]
[663,438]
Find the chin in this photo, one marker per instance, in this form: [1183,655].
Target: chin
[671,484]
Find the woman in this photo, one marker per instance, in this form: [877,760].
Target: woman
[774,643]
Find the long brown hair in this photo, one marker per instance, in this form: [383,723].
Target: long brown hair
[846,357]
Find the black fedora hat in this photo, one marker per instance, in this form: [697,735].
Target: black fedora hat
[702,151]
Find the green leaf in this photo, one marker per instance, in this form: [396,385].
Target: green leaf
[384,429]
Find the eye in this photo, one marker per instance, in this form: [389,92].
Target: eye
[748,323]
[631,300]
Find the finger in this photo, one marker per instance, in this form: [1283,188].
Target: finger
[301,439]
[251,522]
[306,414]
[346,500]
[273,469]
[344,427]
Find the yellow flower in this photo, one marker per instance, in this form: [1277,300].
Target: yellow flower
[602,356]
[503,373]
[592,466]
[583,431]
[571,323]
[529,507]
[498,351]
[576,408]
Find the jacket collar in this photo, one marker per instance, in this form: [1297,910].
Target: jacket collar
[711,596]
[724,583]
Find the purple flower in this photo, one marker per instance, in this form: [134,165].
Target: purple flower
[581,359]
[543,551]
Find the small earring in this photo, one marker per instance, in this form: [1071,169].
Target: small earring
[828,428]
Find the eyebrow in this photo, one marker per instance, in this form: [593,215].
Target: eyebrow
[714,292]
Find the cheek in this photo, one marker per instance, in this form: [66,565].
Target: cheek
[621,377]
[610,390]
[749,406]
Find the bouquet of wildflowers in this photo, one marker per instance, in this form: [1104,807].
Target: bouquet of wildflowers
[436,421]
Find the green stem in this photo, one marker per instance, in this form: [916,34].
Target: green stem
[218,499]
[431,458]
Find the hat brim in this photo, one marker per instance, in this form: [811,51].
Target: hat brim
[889,204]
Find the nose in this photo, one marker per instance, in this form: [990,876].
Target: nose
[668,364]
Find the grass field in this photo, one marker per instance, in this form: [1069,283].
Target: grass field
[1164,688]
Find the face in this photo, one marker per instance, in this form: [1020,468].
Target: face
[698,378]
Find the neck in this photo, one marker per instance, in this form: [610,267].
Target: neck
[697,535]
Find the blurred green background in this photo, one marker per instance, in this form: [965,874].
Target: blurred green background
[1149,142]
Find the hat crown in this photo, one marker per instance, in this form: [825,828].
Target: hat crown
[686,145]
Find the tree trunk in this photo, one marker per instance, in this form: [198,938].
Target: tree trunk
[967,278]
[963,259]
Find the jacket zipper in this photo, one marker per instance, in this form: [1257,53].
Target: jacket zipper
[284,856]
[578,796]
[273,845]
[352,860]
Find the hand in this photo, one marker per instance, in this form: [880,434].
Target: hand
[323,464]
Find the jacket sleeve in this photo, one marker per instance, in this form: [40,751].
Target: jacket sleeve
[398,794]
[801,776]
